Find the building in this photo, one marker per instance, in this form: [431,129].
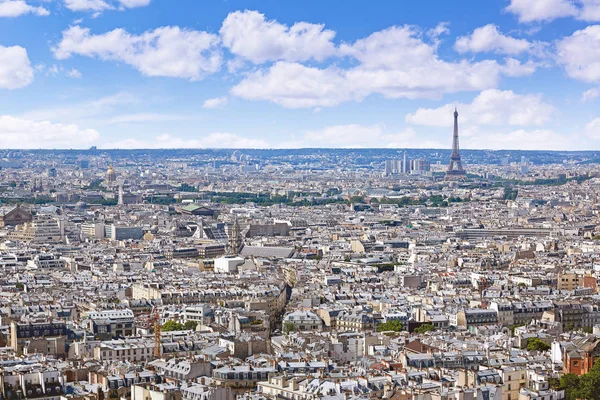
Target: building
[303,321]
[107,324]
[120,232]
[228,265]
[15,216]
[111,176]
[40,230]
[580,356]
[38,337]
[476,317]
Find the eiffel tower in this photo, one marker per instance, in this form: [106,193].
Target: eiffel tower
[455,169]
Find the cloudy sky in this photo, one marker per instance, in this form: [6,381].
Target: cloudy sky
[524,74]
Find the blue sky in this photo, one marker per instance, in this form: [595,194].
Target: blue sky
[186,73]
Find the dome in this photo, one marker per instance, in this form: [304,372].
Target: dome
[81,205]
[110,174]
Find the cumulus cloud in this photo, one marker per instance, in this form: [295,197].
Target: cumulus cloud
[168,141]
[217,102]
[488,38]
[590,95]
[87,5]
[439,30]
[548,10]
[542,10]
[249,35]
[395,63]
[490,107]
[134,3]
[15,68]
[16,8]
[166,51]
[98,6]
[294,85]
[579,54]
[24,133]
[515,68]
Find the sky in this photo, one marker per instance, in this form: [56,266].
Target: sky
[523,74]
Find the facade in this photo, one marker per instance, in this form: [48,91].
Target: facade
[111,323]
[304,321]
[16,216]
[40,230]
[41,337]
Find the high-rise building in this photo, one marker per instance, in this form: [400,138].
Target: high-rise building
[420,166]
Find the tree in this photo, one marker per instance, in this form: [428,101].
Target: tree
[190,325]
[536,344]
[172,326]
[391,325]
[288,327]
[570,383]
[424,328]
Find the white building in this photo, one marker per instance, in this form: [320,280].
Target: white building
[228,265]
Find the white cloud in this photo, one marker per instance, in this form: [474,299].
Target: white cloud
[515,68]
[103,106]
[294,85]
[439,30]
[395,63]
[74,73]
[489,39]
[360,136]
[590,10]
[548,10]
[217,102]
[592,129]
[16,8]
[580,54]
[15,68]
[590,94]
[249,35]
[542,10]
[87,5]
[57,70]
[166,51]
[539,139]
[134,3]
[24,133]
[167,141]
[490,107]
[144,117]
[98,6]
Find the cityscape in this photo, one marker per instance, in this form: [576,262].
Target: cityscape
[205,202]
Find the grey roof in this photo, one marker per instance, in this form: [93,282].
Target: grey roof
[260,251]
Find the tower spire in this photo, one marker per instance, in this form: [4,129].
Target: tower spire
[455,169]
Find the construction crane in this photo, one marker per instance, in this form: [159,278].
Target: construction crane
[155,319]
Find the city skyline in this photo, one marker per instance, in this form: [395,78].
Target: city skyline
[238,74]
